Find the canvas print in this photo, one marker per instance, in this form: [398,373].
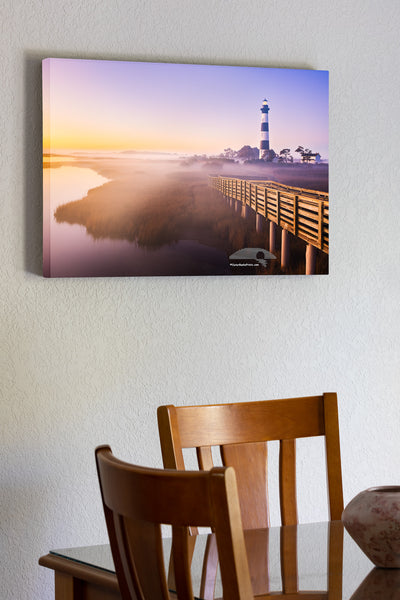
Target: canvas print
[157,169]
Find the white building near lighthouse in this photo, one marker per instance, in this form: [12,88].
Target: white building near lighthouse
[264,143]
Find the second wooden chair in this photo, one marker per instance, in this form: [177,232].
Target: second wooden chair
[137,500]
[242,431]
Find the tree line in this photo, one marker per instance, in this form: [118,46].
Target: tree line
[250,154]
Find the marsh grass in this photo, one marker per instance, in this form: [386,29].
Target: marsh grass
[154,207]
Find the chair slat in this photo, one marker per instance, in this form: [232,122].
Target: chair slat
[210,567]
[204,458]
[257,548]
[250,464]
[287,481]
[143,554]
[182,560]
[226,509]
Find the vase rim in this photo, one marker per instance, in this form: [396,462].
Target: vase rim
[385,489]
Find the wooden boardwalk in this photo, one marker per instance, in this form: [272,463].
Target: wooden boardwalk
[301,212]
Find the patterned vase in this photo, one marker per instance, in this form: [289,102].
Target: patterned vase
[372,519]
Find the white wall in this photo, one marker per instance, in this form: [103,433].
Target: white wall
[88,361]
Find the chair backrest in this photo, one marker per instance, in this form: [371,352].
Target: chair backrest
[242,431]
[137,500]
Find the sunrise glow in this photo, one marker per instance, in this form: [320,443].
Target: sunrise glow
[120,106]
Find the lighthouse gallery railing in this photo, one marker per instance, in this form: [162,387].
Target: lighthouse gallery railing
[302,212]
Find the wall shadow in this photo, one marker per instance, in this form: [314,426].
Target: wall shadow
[32,163]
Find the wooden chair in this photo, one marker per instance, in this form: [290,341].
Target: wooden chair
[137,500]
[242,431]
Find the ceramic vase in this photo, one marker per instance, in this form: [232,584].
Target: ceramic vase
[372,519]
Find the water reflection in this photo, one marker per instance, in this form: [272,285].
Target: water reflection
[134,225]
[173,212]
[61,243]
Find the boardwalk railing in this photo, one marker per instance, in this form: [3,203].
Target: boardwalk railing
[302,212]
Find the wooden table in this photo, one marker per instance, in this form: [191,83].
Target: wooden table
[312,561]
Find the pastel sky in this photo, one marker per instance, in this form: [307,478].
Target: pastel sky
[116,106]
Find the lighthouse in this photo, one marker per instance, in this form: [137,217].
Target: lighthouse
[264,143]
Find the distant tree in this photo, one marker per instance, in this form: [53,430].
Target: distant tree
[247,153]
[285,156]
[270,155]
[307,155]
[228,153]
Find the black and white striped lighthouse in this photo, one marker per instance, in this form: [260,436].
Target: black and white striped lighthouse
[264,143]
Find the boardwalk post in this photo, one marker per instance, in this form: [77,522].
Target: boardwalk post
[245,210]
[311,256]
[320,223]
[295,213]
[259,218]
[228,200]
[285,249]
[266,203]
[250,197]
[278,208]
[272,236]
[243,199]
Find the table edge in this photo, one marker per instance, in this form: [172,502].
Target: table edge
[80,571]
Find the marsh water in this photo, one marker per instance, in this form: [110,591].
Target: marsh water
[72,249]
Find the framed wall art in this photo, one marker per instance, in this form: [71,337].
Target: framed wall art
[157,169]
